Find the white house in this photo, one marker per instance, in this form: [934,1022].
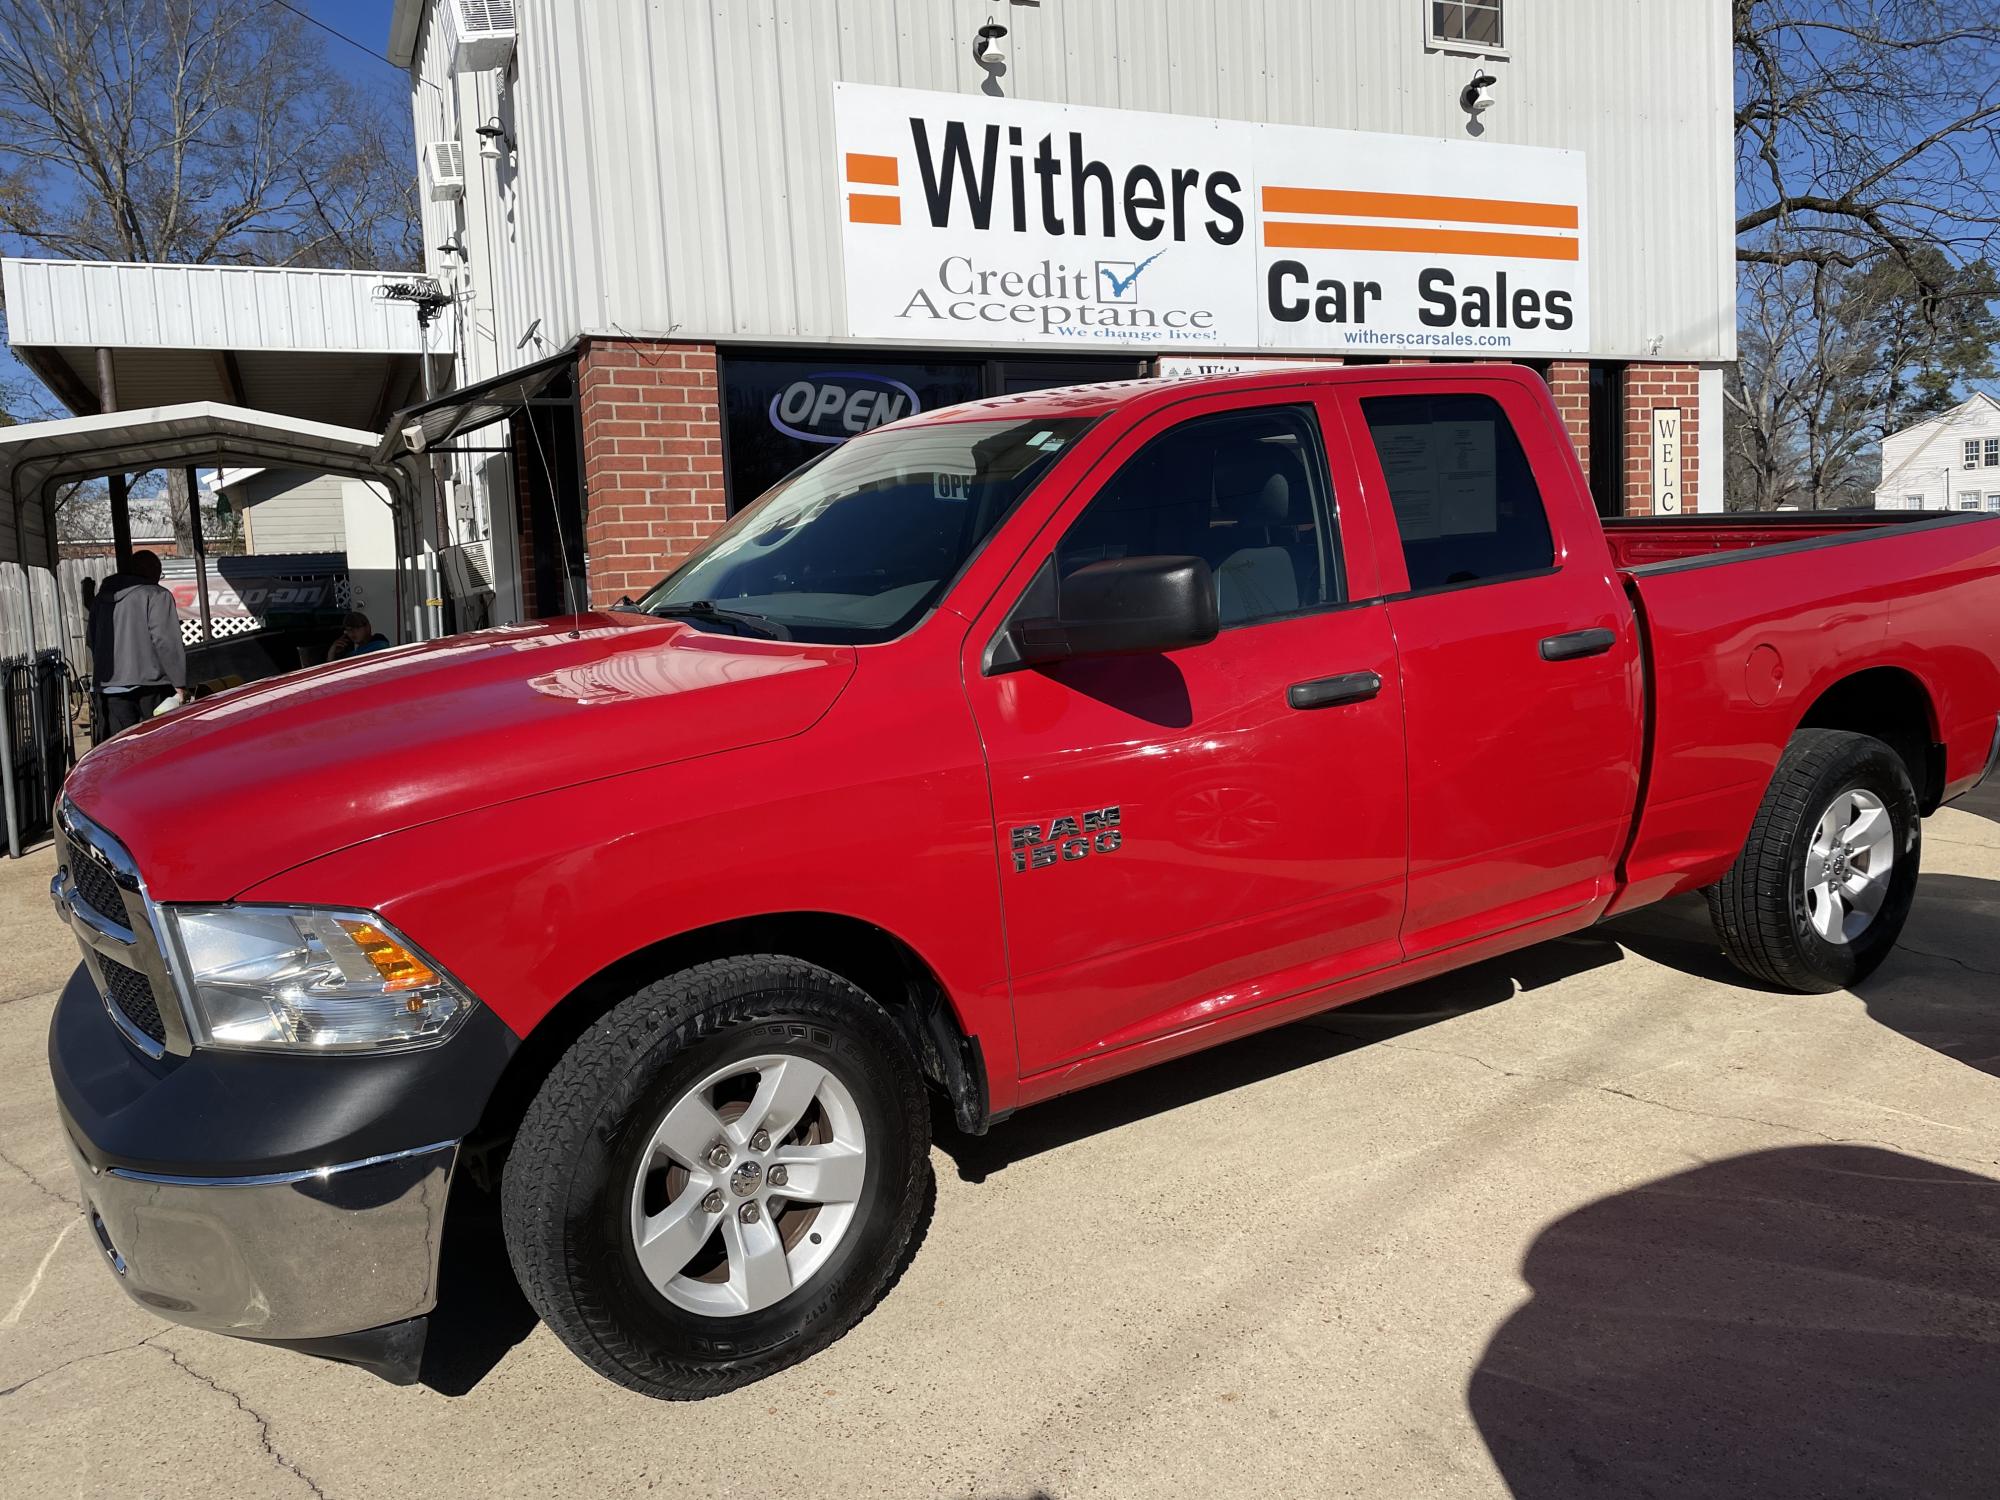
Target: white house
[1951,462]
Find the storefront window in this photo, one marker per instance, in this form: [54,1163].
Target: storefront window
[780,413]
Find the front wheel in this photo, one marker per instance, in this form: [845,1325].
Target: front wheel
[1824,884]
[719,1178]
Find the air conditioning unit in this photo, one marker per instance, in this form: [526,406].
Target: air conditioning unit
[444,170]
[482,34]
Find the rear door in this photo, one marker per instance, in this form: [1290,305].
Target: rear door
[1189,835]
[1520,658]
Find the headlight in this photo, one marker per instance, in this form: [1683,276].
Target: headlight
[307,979]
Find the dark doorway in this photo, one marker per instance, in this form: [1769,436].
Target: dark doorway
[1607,437]
[545,440]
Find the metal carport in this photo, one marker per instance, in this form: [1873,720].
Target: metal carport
[37,457]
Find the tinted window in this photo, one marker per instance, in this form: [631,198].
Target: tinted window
[861,544]
[1465,498]
[1243,491]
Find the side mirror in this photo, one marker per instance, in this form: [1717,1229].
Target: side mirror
[1127,606]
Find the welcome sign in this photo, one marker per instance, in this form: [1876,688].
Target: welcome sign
[969,220]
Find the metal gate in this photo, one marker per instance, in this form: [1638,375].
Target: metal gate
[37,699]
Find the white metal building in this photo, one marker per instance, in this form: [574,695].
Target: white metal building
[1951,462]
[704,239]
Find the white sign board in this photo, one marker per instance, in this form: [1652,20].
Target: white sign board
[1188,366]
[1666,460]
[974,220]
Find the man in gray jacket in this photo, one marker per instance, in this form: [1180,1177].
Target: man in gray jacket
[135,644]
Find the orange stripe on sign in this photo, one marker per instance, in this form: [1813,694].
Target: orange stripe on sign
[879,170]
[1281,235]
[1287,200]
[874,208]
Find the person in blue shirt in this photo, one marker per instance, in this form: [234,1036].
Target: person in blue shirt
[357,638]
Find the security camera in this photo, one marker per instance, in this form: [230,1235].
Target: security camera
[1477,96]
[414,437]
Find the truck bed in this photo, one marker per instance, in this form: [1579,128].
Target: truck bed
[1749,623]
[1644,541]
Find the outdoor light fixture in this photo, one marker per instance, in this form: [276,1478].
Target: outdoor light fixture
[987,51]
[494,140]
[1477,96]
[452,247]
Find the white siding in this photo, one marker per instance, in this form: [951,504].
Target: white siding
[292,513]
[114,305]
[1923,467]
[674,169]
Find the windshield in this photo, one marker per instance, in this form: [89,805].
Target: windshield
[859,545]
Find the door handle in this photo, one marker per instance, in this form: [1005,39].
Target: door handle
[1326,692]
[1578,643]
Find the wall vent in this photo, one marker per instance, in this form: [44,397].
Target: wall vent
[482,34]
[444,170]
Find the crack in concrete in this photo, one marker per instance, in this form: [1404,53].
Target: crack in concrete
[1909,947]
[81,1359]
[263,1422]
[40,1186]
[1699,1114]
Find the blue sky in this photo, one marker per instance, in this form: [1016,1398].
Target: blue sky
[367,21]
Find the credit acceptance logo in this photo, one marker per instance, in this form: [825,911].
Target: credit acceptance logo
[974,220]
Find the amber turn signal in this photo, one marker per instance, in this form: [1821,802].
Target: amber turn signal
[399,967]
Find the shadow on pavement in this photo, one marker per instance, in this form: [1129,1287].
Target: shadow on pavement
[1268,1054]
[1953,1010]
[1808,1321]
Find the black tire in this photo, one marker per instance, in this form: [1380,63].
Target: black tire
[1759,908]
[566,1191]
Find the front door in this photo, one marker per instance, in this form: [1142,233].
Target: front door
[1194,834]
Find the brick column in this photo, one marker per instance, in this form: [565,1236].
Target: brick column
[652,453]
[1648,387]
[1569,383]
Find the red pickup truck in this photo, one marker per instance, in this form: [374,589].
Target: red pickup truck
[1001,751]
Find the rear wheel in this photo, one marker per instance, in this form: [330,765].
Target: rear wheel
[720,1178]
[1824,884]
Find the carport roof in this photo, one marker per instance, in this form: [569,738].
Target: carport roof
[330,346]
[206,433]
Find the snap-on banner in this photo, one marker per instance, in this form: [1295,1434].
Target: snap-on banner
[973,220]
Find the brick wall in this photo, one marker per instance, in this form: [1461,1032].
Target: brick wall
[652,445]
[1648,387]
[1569,383]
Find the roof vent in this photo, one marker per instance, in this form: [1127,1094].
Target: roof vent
[444,170]
[482,34]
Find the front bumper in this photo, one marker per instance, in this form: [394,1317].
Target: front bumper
[284,1256]
[289,1198]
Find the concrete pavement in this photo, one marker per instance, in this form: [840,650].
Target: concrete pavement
[1595,1220]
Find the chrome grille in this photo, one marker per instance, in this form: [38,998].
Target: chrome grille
[132,993]
[97,887]
[122,951]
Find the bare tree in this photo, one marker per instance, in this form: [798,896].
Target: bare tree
[1868,194]
[1832,360]
[1866,128]
[194,130]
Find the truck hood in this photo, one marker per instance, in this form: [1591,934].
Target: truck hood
[235,789]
